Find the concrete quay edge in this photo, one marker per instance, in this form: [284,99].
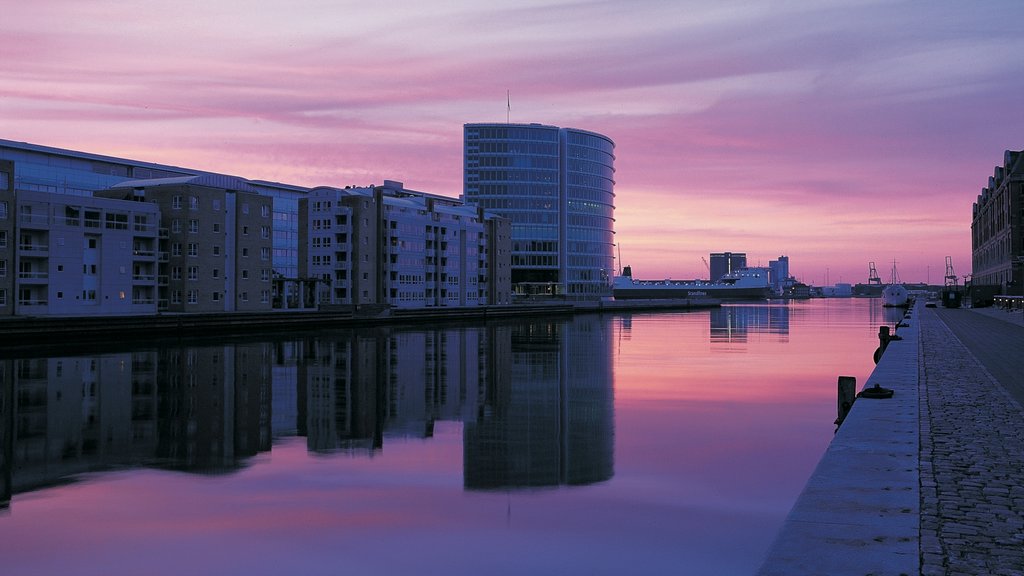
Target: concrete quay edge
[859,512]
[55,330]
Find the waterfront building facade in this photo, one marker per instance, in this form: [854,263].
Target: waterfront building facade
[723,263]
[81,255]
[215,253]
[997,228]
[59,171]
[386,245]
[556,186]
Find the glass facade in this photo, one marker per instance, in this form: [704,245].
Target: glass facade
[556,185]
[44,169]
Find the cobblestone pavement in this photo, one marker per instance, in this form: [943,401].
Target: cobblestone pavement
[972,445]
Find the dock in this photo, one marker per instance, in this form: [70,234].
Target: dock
[930,481]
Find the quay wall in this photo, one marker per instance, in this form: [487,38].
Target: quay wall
[42,330]
[859,512]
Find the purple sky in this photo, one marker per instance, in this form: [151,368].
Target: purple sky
[837,133]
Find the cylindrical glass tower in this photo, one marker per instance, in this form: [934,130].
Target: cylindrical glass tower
[556,185]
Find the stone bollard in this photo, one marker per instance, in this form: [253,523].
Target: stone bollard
[847,395]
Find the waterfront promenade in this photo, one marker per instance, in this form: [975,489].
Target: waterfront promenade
[972,442]
[931,481]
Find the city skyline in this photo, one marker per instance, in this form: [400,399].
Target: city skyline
[837,135]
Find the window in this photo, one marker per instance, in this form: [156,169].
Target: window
[193,249]
[216,250]
[176,297]
[176,273]
[176,249]
[216,273]
[265,211]
[176,226]
[176,202]
[245,274]
[264,231]
[193,296]
[245,208]
[245,252]
[216,227]
[3,238]
[3,297]
[193,226]
[3,268]
[193,203]
[216,204]
[264,253]
[245,230]
[245,296]
[265,275]
[193,272]
[216,296]
[264,296]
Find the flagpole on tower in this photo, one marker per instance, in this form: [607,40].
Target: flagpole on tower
[508,112]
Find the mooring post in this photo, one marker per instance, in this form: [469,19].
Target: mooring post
[847,394]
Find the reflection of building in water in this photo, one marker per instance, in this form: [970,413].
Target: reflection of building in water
[65,422]
[213,405]
[551,423]
[6,434]
[339,397]
[195,408]
[368,386]
[733,324]
[284,375]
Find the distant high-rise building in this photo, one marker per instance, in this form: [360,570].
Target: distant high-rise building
[997,232]
[778,273]
[723,263]
[556,185]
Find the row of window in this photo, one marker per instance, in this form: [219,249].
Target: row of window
[177,203]
[192,296]
[193,250]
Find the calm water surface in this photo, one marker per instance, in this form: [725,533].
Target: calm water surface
[670,443]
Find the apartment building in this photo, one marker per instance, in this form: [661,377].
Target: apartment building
[215,242]
[80,255]
[392,246]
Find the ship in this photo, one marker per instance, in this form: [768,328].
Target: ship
[742,284]
[894,295]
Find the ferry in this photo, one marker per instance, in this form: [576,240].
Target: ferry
[743,284]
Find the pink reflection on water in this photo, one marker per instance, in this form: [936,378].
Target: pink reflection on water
[719,420]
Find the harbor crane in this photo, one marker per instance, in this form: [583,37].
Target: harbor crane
[950,275]
[873,278]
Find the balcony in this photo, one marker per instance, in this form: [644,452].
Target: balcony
[143,301]
[32,302]
[143,253]
[34,220]
[33,247]
[30,277]
[143,277]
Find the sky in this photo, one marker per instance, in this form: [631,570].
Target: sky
[837,133]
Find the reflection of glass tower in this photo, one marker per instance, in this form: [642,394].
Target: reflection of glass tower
[552,422]
[556,185]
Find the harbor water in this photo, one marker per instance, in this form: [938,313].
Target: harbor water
[643,443]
